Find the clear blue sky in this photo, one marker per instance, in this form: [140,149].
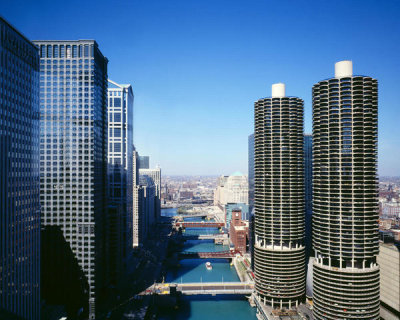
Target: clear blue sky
[198,66]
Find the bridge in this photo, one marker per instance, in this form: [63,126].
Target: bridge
[205,236]
[202,224]
[209,255]
[194,215]
[197,288]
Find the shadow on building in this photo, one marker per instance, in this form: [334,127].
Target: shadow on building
[64,286]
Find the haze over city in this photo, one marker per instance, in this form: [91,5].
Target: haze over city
[196,67]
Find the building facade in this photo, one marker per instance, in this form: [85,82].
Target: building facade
[345,203]
[308,192]
[144,162]
[230,207]
[73,151]
[19,175]
[232,189]
[120,177]
[279,252]
[251,171]
[238,231]
[155,175]
[389,263]
[147,207]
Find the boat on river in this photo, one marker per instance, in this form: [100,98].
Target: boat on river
[208,266]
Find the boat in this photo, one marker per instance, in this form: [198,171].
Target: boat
[208,266]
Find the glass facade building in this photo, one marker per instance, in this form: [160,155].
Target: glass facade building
[144,162]
[345,196]
[120,178]
[73,151]
[19,175]
[308,191]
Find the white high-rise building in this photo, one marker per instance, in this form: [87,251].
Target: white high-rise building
[232,189]
[155,175]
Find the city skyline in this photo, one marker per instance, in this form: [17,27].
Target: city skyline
[219,49]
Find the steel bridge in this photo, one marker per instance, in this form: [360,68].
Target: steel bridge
[197,288]
[209,255]
[202,224]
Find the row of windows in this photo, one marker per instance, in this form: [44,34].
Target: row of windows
[66,51]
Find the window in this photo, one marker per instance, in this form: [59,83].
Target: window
[117,147]
[117,132]
[117,102]
[117,117]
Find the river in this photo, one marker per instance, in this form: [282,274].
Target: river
[194,270]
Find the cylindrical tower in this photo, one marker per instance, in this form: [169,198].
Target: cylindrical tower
[345,206]
[279,251]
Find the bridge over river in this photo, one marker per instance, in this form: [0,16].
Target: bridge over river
[209,255]
[196,288]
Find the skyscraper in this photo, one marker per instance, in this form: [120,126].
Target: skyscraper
[251,171]
[345,206]
[120,176]
[251,197]
[73,150]
[144,162]
[155,175]
[308,191]
[279,200]
[19,175]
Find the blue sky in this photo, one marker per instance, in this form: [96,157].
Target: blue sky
[198,66]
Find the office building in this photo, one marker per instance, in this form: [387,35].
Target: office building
[147,207]
[279,252]
[389,263]
[120,177]
[155,175]
[308,192]
[144,162]
[251,197]
[73,151]
[231,189]
[135,200]
[345,203]
[19,176]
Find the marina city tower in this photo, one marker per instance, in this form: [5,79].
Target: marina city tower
[279,251]
[345,207]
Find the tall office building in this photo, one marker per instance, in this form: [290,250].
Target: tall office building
[345,204]
[19,175]
[251,197]
[308,191]
[136,189]
[232,189]
[279,251]
[120,177]
[144,162]
[73,151]
[155,175]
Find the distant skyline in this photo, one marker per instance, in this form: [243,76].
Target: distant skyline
[196,67]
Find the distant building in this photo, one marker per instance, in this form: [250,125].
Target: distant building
[120,176]
[19,176]
[136,217]
[155,175]
[238,231]
[73,155]
[144,162]
[232,189]
[389,262]
[390,209]
[230,207]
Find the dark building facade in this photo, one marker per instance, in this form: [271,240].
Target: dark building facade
[144,162]
[73,152]
[19,175]
[279,251]
[308,192]
[345,203]
[251,198]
